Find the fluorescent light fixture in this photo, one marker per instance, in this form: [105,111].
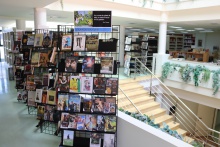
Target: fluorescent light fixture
[185,32]
[175,27]
[171,32]
[128,27]
[199,29]
[180,29]
[190,30]
[135,29]
[206,31]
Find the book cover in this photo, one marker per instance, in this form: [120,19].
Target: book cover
[127,47]
[30,87]
[40,111]
[95,140]
[30,40]
[81,122]
[38,40]
[18,60]
[24,95]
[88,64]
[44,97]
[17,46]
[98,105]
[109,140]
[68,138]
[91,122]
[110,123]
[71,64]
[47,40]
[99,85]
[112,86]
[64,120]
[38,79]
[35,58]
[87,104]
[19,95]
[38,95]
[128,40]
[26,54]
[51,97]
[62,104]
[56,36]
[66,42]
[18,73]
[63,82]
[92,42]
[107,65]
[31,99]
[72,121]
[30,80]
[75,84]
[19,83]
[48,113]
[100,123]
[24,39]
[86,84]
[79,43]
[109,105]
[74,102]
[45,79]
[43,59]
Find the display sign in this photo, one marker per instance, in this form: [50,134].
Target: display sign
[92,21]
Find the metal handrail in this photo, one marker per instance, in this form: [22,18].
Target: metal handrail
[130,101]
[136,59]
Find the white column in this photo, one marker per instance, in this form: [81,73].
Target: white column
[162,38]
[40,18]
[122,45]
[20,24]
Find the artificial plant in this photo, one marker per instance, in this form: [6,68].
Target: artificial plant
[206,74]
[185,73]
[215,84]
[196,72]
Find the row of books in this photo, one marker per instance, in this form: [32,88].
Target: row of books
[46,112]
[80,84]
[88,122]
[95,139]
[91,104]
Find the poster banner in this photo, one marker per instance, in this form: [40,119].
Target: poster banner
[92,21]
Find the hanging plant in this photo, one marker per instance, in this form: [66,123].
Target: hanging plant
[185,73]
[165,70]
[206,74]
[215,84]
[196,72]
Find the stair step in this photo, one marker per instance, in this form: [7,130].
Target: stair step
[181,132]
[188,139]
[123,102]
[148,107]
[156,113]
[134,93]
[131,80]
[165,118]
[130,86]
[173,125]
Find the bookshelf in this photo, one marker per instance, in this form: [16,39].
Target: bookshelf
[175,42]
[189,40]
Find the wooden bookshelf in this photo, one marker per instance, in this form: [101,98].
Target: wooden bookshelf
[187,55]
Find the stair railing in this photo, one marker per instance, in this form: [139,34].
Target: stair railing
[184,115]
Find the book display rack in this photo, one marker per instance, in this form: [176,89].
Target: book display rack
[87,87]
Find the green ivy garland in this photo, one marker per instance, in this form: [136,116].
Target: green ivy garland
[166,70]
[206,74]
[216,83]
[186,73]
[196,72]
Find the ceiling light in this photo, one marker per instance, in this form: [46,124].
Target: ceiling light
[190,30]
[175,27]
[135,29]
[180,29]
[199,29]
[185,32]
[206,31]
[128,27]
[171,32]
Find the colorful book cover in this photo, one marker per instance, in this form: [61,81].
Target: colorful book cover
[24,39]
[63,104]
[38,95]
[98,105]
[17,46]
[19,94]
[88,64]
[100,123]
[63,82]
[95,140]
[44,97]
[68,138]
[74,102]
[31,99]
[112,86]
[79,43]
[110,123]
[24,95]
[99,85]
[91,123]
[35,58]
[81,122]
[72,121]
[30,87]
[107,65]
[40,111]
[38,40]
[30,80]
[27,69]
[71,64]
[48,113]
[47,40]
[92,42]
[109,140]
[66,42]
[43,59]
[109,105]
[51,97]
[87,104]
[38,79]
[18,60]
[64,120]
[45,79]
[26,54]
[86,84]
[30,40]
[75,84]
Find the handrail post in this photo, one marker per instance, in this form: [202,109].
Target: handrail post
[135,68]
[151,85]
[175,112]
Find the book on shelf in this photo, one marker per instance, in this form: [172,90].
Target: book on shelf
[18,73]
[18,60]
[30,87]
[40,111]
[56,36]
[95,140]
[68,138]
[26,54]
[67,42]
[92,42]
[43,59]
[38,95]
[87,104]
[19,95]
[64,120]
[44,97]
[144,45]
[86,84]
[110,123]
[19,83]
[48,113]
[38,40]
[45,79]
[63,82]
[24,39]
[74,102]
[30,80]
[127,47]
[38,79]
[31,99]
[111,86]
[17,46]
[127,40]
[47,40]
[51,97]
[109,140]
[107,65]
[34,58]
[30,40]
[75,84]
[98,105]
[71,64]
[88,64]
[91,122]
[72,121]
[79,43]
[100,123]
[62,103]
[99,85]
[81,121]
[109,105]
[24,95]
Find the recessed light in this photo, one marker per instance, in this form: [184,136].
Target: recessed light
[185,32]
[175,27]
[199,29]
[190,30]
[171,32]
[180,29]
[206,31]
[128,27]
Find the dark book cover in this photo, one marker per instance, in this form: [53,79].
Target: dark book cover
[40,111]
[17,46]
[24,39]
[18,73]
[18,60]
[71,64]
[109,105]
[112,86]
[38,79]
[27,69]
[99,85]
[26,54]
[45,79]
[63,82]
[43,59]
[92,42]
[100,123]
[74,102]
[98,105]
[47,40]
[87,104]
[88,64]
[64,120]
[48,113]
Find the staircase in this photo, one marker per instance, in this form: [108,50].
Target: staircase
[146,104]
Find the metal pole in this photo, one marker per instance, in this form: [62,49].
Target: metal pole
[135,70]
